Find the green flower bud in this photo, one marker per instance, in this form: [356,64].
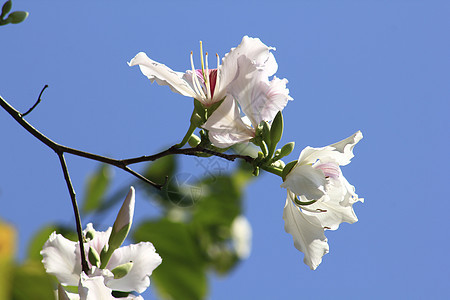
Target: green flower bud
[6,8]
[264,148]
[276,130]
[256,171]
[260,155]
[89,235]
[287,149]
[122,270]
[94,257]
[194,141]
[279,164]
[17,17]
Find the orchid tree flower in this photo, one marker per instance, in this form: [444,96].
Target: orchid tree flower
[208,85]
[319,197]
[91,288]
[257,97]
[124,269]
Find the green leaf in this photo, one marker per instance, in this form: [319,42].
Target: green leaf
[276,131]
[97,186]
[6,8]
[157,171]
[31,282]
[221,201]
[39,239]
[17,17]
[182,274]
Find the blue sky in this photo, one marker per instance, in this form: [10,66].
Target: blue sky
[381,67]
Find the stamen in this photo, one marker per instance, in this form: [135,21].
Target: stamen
[208,89]
[217,74]
[317,211]
[195,82]
[203,64]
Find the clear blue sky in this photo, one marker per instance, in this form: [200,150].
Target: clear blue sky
[382,67]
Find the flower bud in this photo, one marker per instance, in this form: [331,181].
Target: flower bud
[276,130]
[6,8]
[94,257]
[17,17]
[89,235]
[194,141]
[120,228]
[256,171]
[122,270]
[286,149]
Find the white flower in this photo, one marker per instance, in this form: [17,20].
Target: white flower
[208,85]
[259,99]
[319,197]
[62,257]
[91,288]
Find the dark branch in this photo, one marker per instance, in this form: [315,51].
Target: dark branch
[119,163]
[84,264]
[37,102]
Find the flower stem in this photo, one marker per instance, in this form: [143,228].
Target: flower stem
[272,169]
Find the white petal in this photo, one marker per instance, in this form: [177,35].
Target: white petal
[307,233]
[305,180]
[226,127]
[310,155]
[64,295]
[345,147]
[253,49]
[60,259]
[162,74]
[93,288]
[145,260]
[338,208]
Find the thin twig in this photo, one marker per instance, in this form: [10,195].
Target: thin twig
[37,102]
[84,264]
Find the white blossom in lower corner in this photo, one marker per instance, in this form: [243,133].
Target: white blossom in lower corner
[111,267]
[61,258]
[319,197]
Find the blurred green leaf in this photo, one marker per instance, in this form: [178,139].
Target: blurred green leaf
[31,282]
[157,171]
[221,201]
[38,241]
[97,186]
[182,274]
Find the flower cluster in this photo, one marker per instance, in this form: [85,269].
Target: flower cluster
[241,101]
[111,267]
